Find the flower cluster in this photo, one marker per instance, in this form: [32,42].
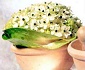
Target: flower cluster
[51,18]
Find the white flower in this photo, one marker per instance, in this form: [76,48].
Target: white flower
[62,31]
[67,34]
[21,23]
[42,8]
[44,16]
[15,25]
[57,31]
[20,17]
[45,26]
[32,24]
[15,18]
[36,8]
[64,27]
[64,16]
[26,26]
[57,27]
[42,30]
[51,27]
[52,32]
[40,25]
[51,18]
[43,23]
[67,12]
[78,21]
[26,18]
[33,15]
[35,28]
[59,34]
[57,9]
[65,30]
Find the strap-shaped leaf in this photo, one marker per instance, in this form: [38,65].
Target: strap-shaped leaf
[33,39]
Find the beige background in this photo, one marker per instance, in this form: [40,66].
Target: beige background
[8,7]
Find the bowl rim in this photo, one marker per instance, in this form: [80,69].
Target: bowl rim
[36,51]
[28,51]
[75,53]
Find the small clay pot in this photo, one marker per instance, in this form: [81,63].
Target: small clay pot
[75,50]
[43,59]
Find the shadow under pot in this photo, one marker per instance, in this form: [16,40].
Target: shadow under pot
[43,59]
[75,50]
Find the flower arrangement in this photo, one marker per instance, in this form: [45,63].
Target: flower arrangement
[47,18]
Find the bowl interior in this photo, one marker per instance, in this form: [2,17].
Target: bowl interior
[75,50]
[76,45]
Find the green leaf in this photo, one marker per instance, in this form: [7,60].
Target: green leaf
[58,44]
[33,39]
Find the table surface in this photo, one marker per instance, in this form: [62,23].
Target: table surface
[8,7]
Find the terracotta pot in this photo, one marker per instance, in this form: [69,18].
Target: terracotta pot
[43,59]
[75,50]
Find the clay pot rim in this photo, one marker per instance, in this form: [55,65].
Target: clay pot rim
[28,51]
[75,53]
[35,51]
